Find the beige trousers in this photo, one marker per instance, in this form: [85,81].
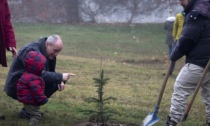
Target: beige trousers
[184,86]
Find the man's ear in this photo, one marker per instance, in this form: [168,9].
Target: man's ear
[47,43]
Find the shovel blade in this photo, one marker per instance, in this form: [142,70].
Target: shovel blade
[150,120]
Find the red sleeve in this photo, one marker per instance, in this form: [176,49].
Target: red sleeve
[9,32]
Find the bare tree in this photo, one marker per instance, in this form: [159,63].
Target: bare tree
[89,8]
[93,8]
[147,7]
[72,10]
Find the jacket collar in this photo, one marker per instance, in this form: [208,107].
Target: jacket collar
[42,46]
[200,6]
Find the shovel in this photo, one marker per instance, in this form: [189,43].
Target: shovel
[152,118]
[194,95]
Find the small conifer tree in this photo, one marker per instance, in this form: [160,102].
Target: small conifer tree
[102,114]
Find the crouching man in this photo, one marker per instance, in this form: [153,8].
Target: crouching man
[49,47]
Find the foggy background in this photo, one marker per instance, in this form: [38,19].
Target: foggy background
[92,11]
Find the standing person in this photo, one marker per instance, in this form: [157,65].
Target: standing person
[168,26]
[179,22]
[177,29]
[49,47]
[178,25]
[194,43]
[30,86]
[7,36]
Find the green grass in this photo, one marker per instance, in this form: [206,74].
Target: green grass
[133,57]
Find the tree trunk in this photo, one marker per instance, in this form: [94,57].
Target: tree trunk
[72,10]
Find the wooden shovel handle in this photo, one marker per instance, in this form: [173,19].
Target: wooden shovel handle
[164,84]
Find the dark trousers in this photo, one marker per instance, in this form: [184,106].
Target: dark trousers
[170,51]
[50,89]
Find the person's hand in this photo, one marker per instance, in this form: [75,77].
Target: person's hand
[14,52]
[66,76]
[61,86]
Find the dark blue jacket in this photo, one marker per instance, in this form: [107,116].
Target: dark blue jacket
[17,68]
[194,41]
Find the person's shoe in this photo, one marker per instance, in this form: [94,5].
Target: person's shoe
[170,122]
[207,123]
[23,114]
[2,117]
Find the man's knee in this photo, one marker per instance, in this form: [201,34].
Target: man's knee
[50,89]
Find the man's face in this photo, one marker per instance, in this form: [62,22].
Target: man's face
[183,3]
[52,49]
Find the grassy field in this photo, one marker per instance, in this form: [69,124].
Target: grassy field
[133,57]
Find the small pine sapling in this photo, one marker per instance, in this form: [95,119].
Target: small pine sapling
[102,114]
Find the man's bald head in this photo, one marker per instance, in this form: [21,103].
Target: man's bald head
[54,45]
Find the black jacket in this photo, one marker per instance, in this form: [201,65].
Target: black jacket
[194,41]
[18,67]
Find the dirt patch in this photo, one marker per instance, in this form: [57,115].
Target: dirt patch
[145,61]
[95,124]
